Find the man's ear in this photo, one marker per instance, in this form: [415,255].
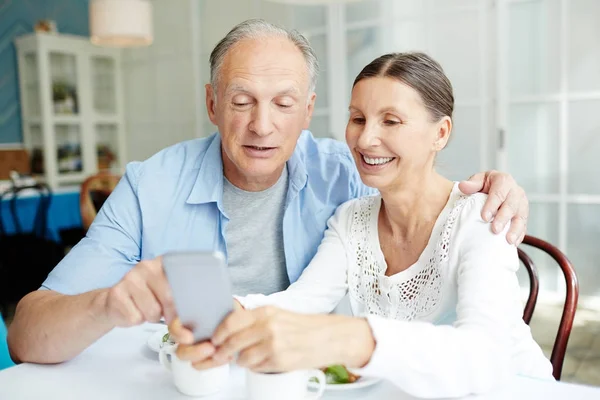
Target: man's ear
[310,108]
[211,103]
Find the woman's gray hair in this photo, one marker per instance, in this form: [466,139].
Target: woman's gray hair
[259,29]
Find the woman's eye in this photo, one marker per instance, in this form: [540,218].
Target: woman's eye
[391,122]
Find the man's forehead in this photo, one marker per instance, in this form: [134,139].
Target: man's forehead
[281,88]
[270,59]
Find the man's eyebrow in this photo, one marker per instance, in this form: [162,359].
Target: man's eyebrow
[236,88]
[289,91]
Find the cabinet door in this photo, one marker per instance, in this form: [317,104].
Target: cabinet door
[64,84]
[103,84]
[69,158]
[107,146]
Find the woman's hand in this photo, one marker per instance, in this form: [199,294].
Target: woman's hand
[269,339]
[506,202]
[200,354]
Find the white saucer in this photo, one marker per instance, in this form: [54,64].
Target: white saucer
[155,342]
[363,382]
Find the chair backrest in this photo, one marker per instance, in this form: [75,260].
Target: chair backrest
[5,360]
[94,192]
[566,321]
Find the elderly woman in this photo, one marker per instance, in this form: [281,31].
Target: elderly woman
[434,292]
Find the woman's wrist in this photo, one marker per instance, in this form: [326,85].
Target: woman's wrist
[352,342]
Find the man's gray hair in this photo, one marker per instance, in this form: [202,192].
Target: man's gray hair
[260,29]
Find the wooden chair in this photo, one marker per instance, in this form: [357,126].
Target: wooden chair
[94,192]
[566,322]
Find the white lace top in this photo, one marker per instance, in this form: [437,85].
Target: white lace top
[449,325]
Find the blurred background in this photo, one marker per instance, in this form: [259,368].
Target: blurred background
[526,75]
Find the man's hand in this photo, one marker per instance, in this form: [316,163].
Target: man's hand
[200,354]
[142,295]
[506,202]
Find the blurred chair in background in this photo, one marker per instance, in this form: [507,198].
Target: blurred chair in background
[94,192]
[5,360]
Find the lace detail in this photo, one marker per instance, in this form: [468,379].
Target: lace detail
[417,296]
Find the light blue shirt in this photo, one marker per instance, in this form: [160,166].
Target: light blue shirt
[174,201]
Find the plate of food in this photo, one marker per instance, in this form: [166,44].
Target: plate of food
[339,379]
[159,339]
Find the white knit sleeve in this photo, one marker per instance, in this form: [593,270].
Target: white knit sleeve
[474,354]
[323,282]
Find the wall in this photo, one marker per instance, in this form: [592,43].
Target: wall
[161,82]
[164,83]
[216,18]
[17,17]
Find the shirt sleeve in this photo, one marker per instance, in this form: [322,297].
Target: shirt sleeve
[473,355]
[323,282]
[111,247]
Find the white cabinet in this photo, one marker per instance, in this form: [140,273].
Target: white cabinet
[71,102]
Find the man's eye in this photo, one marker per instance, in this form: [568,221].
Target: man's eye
[240,104]
[358,120]
[284,105]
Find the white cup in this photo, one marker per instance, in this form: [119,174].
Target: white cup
[291,385]
[189,380]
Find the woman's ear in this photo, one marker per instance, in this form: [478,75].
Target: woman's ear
[444,129]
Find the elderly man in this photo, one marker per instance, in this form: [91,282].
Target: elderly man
[262,176]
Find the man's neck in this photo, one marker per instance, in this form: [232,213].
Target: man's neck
[251,184]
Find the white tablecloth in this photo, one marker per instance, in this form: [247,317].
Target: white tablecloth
[121,366]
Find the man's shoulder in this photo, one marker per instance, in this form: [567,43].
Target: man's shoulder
[172,160]
[323,151]
[330,168]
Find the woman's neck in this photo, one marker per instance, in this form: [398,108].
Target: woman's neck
[414,204]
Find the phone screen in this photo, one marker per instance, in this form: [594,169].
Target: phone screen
[201,290]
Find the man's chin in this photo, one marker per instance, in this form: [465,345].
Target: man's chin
[262,169]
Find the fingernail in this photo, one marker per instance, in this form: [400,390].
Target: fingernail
[487,216]
[209,351]
[512,238]
[498,227]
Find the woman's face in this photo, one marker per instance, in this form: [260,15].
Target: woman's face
[391,133]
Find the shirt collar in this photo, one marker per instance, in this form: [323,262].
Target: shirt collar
[297,171]
[208,187]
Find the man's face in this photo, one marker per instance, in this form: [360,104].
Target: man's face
[262,105]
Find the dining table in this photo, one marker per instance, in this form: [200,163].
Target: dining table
[63,213]
[121,365]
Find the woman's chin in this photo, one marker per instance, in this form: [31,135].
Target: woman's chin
[374,181]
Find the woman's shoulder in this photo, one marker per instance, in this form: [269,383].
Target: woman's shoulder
[360,205]
[470,227]
[471,205]
[360,208]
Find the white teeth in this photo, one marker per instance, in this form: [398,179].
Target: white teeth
[377,161]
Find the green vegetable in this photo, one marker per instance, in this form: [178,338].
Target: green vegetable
[165,338]
[337,374]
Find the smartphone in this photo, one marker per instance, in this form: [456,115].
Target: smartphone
[201,290]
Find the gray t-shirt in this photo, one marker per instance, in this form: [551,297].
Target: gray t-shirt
[254,237]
